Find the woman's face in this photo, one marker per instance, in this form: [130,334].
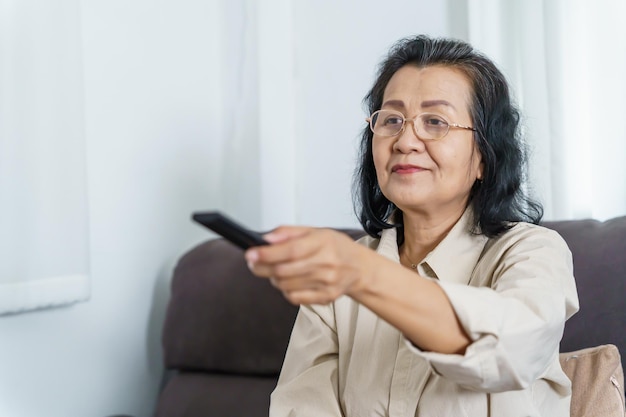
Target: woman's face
[428,175]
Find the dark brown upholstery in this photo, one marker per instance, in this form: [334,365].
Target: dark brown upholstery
[223,319]
[225,334]
[226,331]
[199,394]
[599,252]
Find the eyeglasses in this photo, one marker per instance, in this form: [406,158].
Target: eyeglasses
[427,126]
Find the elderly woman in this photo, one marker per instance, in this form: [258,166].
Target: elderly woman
[455,303]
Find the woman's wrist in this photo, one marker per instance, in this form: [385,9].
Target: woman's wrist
[372,269]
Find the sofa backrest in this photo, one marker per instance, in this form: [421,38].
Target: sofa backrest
[599,253]
[223,319]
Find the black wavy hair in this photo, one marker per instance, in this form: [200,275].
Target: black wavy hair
[498,199]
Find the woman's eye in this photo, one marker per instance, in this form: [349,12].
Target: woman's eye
[393,121]
[432,121]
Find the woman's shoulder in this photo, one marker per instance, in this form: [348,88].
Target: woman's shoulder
[369,241]
[523,233]
[387,243]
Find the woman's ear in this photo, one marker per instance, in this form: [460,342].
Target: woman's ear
[479,175]
[478,159]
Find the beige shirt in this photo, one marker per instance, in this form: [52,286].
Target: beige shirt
[512,295]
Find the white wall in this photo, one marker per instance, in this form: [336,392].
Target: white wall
[158,76]
[338,48]
[150,86]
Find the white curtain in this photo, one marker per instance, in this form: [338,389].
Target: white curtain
[258,105]
[43,210]
[566,61]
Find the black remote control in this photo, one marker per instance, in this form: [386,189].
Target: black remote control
[229,229]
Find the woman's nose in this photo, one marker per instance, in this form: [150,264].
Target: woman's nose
[408,140]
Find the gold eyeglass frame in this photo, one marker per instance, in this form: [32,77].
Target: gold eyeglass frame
[405,120]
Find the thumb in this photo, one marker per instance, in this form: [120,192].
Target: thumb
[284,233]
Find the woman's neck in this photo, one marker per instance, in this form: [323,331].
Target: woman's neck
[422,233]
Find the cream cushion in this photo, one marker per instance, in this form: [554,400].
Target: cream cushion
[597,381]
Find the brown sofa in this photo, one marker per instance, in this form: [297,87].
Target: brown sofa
[226,331]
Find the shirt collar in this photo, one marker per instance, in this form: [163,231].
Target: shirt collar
[388,245]
[453,259]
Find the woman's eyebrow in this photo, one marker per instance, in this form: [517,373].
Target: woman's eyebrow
[424,104]
[394,103]
[434,103]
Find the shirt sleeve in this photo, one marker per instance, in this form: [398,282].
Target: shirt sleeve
[516,321]
[308,383]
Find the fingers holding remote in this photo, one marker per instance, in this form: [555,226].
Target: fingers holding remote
[308,265]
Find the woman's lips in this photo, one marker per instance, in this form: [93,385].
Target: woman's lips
[406,169]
